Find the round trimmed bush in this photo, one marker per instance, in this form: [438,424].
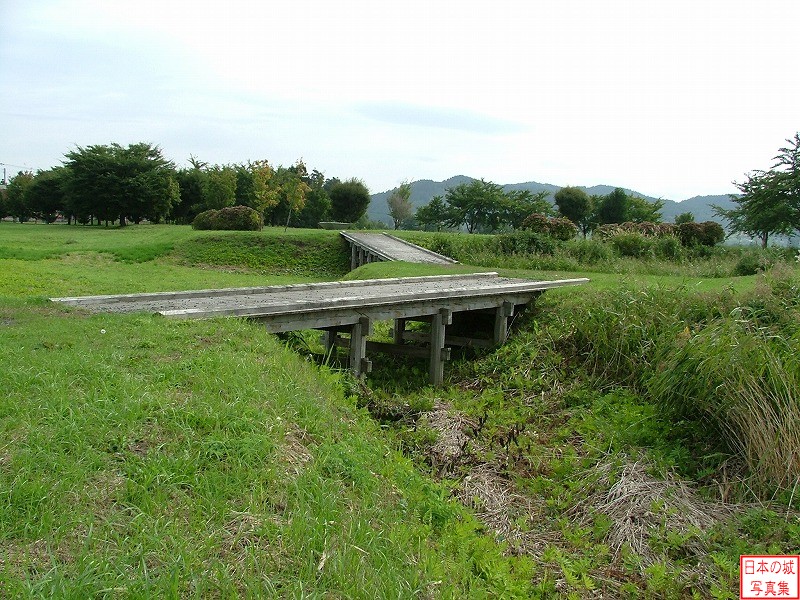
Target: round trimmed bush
[205,220]
[230,218]
[562,228]
[707,233]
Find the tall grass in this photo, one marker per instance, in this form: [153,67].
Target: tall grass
[746,382]
[724,360]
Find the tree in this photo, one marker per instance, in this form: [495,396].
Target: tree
[219,187]
[761,210]
[613,208]
[478,205]
[576,205]
[770,200]
[787,166]
[399,202]
[518,205]
[115,182]
[318,203]
[293,188]
[255,188]
[46,195]
[434,215]
[686,217]
[190,183]
[16,202]
[349,200]
[642,211]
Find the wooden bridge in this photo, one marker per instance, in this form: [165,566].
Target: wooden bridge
[461,310]
[375,247]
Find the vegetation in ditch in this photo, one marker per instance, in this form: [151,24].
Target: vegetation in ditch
[634,440]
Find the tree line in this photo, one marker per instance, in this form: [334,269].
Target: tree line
[483,206]
[121,184]
[112,183]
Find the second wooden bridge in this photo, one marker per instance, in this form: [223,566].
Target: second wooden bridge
[375,247]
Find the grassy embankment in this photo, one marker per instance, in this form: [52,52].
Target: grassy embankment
[195,458]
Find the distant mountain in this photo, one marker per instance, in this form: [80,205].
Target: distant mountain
[424,190]
[699,206]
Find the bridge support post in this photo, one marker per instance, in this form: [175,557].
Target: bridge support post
[501,315]
[398,331]
[359,364]
[439,324]
[353,256]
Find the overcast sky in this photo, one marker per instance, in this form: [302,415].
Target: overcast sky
[670,98]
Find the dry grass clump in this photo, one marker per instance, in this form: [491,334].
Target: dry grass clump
[294,450]
[449,450]
[640,505]
[510,516]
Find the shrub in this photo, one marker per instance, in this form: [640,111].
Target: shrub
[708,233]
[231,218]
[632,244]
[606,232]
[589,251]
[562,228]
[559,228]
[713,233]
[205,220]
[751,263]
[668,248]
[525,242]
[645,229]
[536,223]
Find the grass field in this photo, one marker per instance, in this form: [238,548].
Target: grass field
[141,457]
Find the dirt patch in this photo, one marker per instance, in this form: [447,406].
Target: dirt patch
[22,559]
